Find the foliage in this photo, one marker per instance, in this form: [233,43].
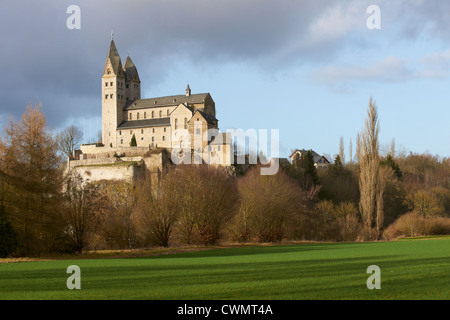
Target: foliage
[8,236]
[268,206]
[133,142]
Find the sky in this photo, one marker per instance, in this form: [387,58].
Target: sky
[305,68]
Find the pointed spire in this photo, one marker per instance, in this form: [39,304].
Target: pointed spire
[113,58]
[188,91]
[130,70]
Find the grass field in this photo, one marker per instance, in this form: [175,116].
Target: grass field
[413,269]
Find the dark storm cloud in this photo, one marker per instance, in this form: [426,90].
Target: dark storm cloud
[44,61]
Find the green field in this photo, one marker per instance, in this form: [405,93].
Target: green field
[414,269]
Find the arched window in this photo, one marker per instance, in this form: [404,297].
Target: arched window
[153,114]
[138,115]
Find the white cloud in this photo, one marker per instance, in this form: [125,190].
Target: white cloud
[390,69]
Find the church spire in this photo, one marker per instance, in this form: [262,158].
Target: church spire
[130,70]
[188,91]
[113,63]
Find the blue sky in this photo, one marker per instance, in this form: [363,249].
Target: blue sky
[307,68]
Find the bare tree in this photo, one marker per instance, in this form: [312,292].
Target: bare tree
[341,150]
[156,212]
[350,151]
[370,184]
[68,139]
[83,205]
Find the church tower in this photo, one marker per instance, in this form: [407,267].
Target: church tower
[132,81]
[113,96]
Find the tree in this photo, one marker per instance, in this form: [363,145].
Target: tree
[133,142]
[156,212]
[371,184]
[205,198]
[68,139]
[341,149]
[118,229]
[83,205]
[269,206]
[8,236]
[31,165]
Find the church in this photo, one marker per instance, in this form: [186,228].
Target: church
[153,122]
[139,131]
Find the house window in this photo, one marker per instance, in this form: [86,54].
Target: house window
[138,115]
[164,138]
[167,112]
[131,131]
[160,113]
[153,130]
[164,129]
[106,84]
[120,133]
[145,115]
[121,141]
[131,116]
[111,84]
[176,124]
[185,123]
[106,96]
[126,86]
[142,131]
[153,139]
[153,114]
[111,96]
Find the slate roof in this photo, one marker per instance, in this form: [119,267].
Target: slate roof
[113,56]
[146,123]
[315,155]
[165,101]
[130,70]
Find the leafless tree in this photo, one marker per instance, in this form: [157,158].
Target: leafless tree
[68,139]
[370,182]
[341,150]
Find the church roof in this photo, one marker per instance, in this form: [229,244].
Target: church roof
[208,117]
[166,101]
[156,122]
[130,70]
[113,56]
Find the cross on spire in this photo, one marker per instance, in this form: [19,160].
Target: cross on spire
[112,34]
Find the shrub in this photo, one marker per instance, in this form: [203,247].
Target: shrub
[8,236]
[411,224]
[269,205]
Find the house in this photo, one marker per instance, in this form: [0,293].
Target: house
[320,162]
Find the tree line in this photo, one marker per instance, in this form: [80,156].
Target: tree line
[43,211]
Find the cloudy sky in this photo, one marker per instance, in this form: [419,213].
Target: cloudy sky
[307,68]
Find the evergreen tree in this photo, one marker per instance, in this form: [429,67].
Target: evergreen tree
[307,163]
[389,161]
[133,141]
[8,236]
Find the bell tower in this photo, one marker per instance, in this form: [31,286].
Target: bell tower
[113,96]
